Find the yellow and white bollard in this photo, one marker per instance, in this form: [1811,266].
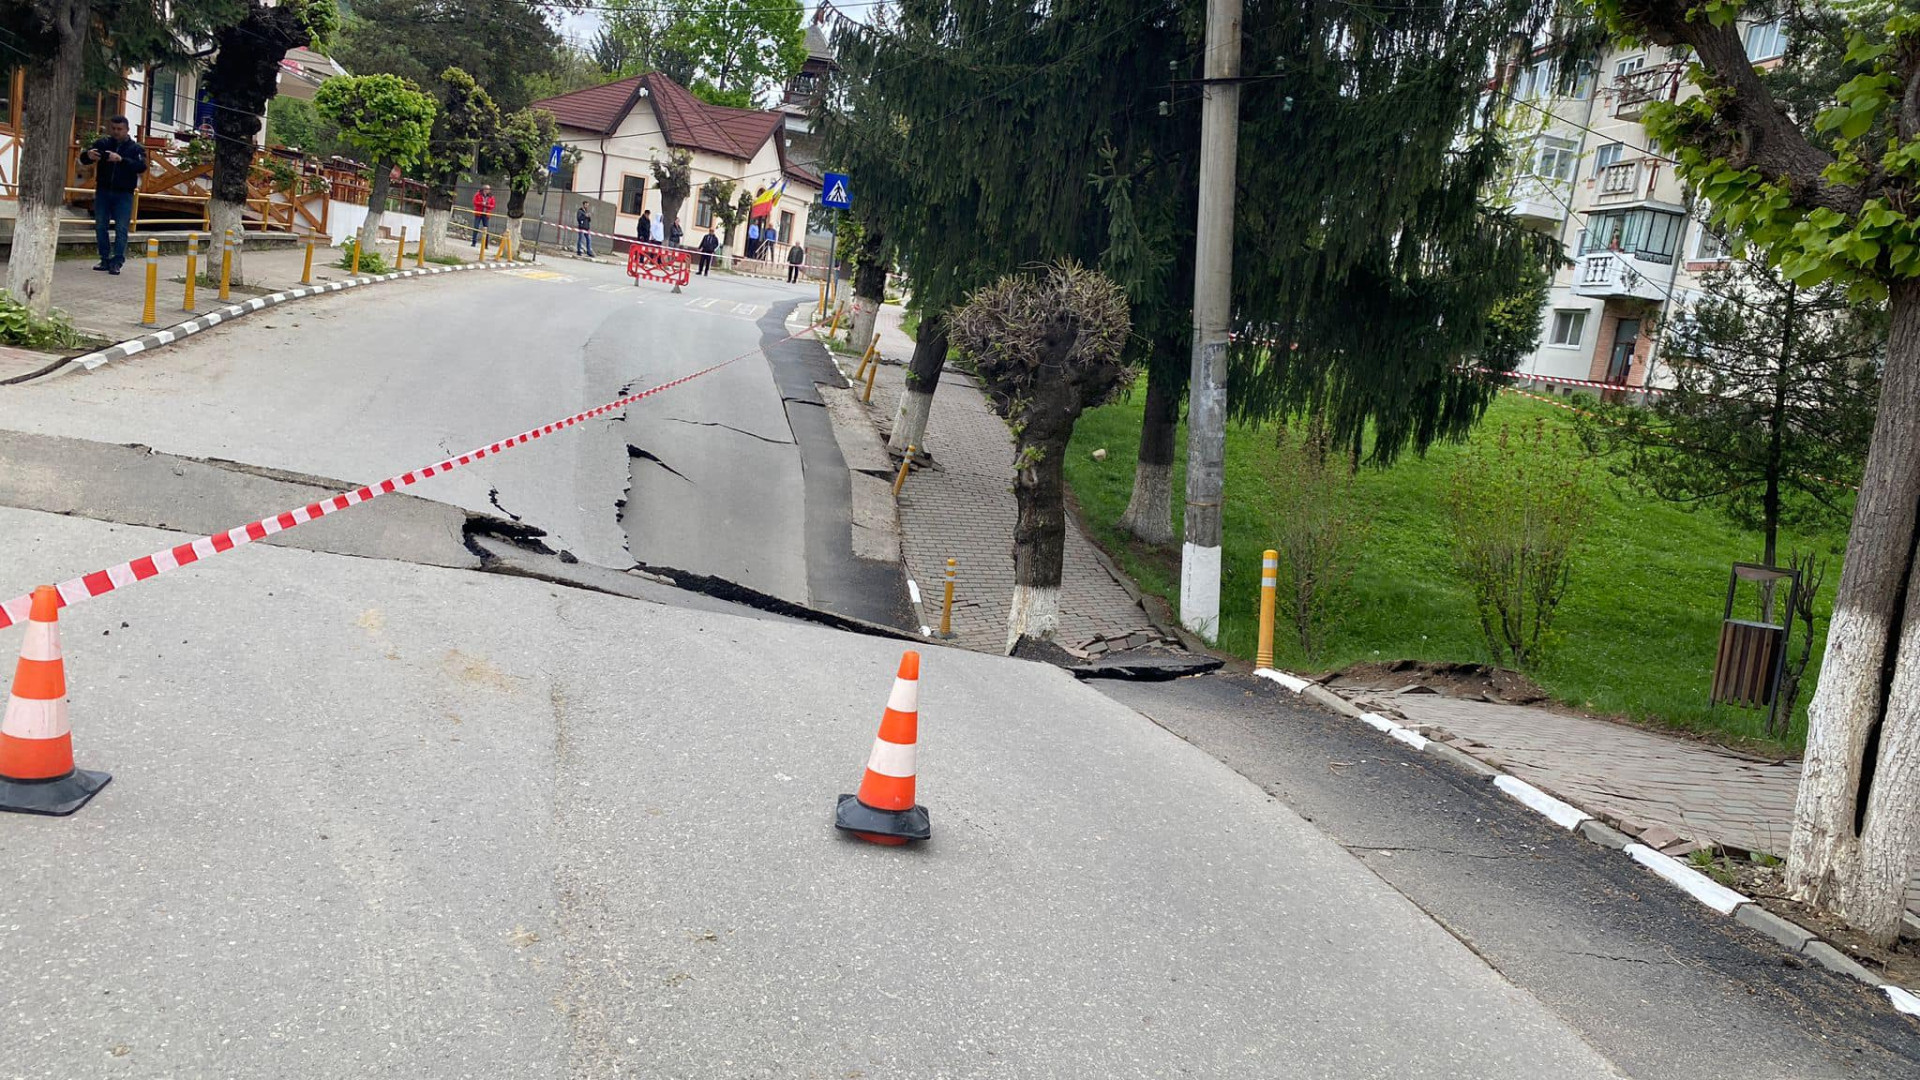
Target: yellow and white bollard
[149,315]
[867,398]
[226,265]
[355,270]
[946,605]
[193,270]
[306,271]
[1269,574]
[400,257]
[900,480]
[867,357]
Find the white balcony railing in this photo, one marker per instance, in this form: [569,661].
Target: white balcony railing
[1615,275]
[1619,182]
[1634,91]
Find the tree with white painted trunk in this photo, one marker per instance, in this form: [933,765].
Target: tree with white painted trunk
[1045,349]
[385,117]
[57,42]
[245,75]
[518,154]
[869,280]
[465,118]
[1833,196]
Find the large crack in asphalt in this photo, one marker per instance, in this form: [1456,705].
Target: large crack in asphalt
[730,427]
[648,455]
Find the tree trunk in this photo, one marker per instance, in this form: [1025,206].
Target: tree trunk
[1149,515]
[923,378]
[43,160]
[869,287]
[376,204]
[244,77]
[437,211]
[1039,490]
[1855,834]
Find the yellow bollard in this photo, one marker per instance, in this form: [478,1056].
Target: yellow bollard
[420,249]
[820,310]
[900,480]
[946,606]
[193,270]
[306,271]
[400,257]
[868,396]
[834,330]
[355,271]
[148,315]
[1269,572]
[867,358]
[226,265]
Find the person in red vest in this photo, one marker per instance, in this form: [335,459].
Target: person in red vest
[482,212]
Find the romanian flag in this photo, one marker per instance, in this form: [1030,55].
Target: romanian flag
[763,205]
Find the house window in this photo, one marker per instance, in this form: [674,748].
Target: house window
[1555,158]
[1584,76]
[1644,234]
[1628,65]
[1766,41]
[166,89]
[1609,154]
[1534,81]
[786,225]
[633,194]
[703,212]
[1710,244]
[1569,326]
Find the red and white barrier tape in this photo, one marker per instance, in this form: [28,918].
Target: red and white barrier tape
[88,586]
[1526,376]
[694,252]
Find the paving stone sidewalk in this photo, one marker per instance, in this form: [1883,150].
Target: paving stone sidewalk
[1673,793]
[963,508]
[109,305]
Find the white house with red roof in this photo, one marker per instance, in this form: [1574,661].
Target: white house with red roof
[621,127]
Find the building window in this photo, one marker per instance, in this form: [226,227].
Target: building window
[166,91]
[1644,234]
[1609,154]
[1628,65]
[1569,326]
[1710,244]
[1534,81]
[786,225]
[1584,76]
[633,194]
[1766,41]
[703,212]
[1555,158]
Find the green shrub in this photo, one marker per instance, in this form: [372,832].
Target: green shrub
[370,262]
[21,327]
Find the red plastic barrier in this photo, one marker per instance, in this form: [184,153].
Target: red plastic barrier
[655,263]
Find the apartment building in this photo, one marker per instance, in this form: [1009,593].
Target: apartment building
[1637,242]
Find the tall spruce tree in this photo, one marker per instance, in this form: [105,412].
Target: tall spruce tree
[992,134]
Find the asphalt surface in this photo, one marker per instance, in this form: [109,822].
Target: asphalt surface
[1663,987]
[370,817]
[708,477]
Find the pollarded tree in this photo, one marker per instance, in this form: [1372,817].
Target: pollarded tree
[1839,205]
[465,118]
[674,180]
[387,119]
[63,44]
[1046,350]
[518,153]
[245,76]
[729,213]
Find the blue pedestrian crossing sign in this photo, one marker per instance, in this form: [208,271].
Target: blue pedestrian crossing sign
[837,194]
[553,158]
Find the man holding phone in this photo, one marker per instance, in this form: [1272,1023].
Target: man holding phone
[118,163]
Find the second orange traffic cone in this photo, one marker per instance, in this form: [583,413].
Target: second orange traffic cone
[36,741]
[884,812]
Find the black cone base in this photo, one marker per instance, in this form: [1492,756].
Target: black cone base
[856,816]
[55,798]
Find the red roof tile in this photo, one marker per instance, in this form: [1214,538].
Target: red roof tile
[685,120]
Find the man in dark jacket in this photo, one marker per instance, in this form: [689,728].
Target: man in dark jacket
[118,163]
[795,256]
[583,240]
[708,245]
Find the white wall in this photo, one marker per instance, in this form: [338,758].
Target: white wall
[344,220]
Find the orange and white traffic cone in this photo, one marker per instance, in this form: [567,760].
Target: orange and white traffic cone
[884,812]
[36,742]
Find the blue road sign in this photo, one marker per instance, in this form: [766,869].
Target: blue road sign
[553,158]
[837,192]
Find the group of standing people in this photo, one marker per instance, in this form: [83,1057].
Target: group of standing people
[658,230]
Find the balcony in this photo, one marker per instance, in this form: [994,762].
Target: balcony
[1539,202]
[1634,91]
[1616,275]
[1621,182]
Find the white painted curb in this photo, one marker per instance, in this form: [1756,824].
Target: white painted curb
[1565,815]
[1903,1000]
[1292,682]
[1691,881]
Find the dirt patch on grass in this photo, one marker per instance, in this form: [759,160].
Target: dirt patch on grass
[1470,682]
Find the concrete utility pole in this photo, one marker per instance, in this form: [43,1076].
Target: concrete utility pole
[1212,310]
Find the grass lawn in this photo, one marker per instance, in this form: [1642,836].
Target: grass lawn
[1636,633]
